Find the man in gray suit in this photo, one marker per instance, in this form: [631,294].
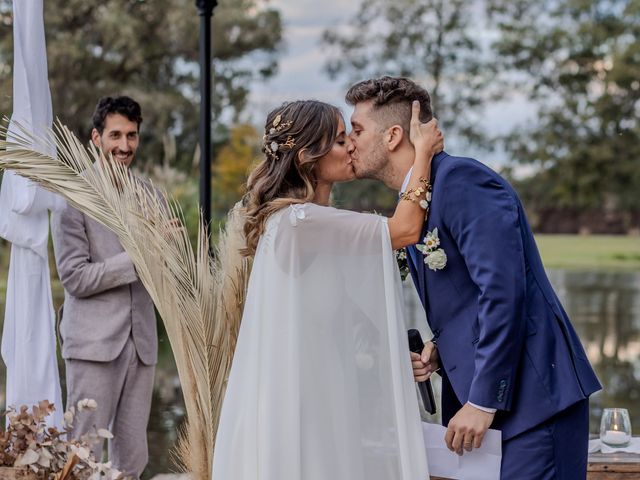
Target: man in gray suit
[108,330]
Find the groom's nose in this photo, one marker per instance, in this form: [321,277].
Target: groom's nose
[350,146]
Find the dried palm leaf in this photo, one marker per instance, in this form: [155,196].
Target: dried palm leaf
[199,299]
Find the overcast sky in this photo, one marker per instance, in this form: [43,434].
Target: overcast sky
[300,73]
[300,68]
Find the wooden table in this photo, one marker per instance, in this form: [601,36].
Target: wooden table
[613,466]
[608,466]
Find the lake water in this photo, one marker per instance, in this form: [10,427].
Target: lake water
[604,308]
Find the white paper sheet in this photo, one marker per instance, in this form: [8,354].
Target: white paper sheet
[479,464]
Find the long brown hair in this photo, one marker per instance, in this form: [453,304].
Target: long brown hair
[296,135]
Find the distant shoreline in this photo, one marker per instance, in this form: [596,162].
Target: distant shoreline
[590,252]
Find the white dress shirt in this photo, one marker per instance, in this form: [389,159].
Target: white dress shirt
[405,183]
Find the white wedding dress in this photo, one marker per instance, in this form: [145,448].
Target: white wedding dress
[321,385]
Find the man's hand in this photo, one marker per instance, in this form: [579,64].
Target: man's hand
[467,429]
[426,363]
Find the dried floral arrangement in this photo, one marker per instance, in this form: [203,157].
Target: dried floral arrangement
[51,454]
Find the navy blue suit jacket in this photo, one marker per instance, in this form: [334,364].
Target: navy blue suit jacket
[504,339]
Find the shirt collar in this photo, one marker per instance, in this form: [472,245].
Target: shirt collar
[434,167]
[405,183]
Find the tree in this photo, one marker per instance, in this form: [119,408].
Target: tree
[365,196]
[579,60]
[232,166]
[149,50]
[429,40]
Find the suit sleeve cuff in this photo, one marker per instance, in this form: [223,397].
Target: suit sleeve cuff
[484,409]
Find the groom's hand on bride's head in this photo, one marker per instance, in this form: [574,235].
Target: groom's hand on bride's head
[425,363]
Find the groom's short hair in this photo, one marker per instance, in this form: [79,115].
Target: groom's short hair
[392,98]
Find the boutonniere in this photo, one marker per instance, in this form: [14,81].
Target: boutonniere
[403,264]
[434,257]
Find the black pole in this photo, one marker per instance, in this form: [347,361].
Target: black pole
[205,10]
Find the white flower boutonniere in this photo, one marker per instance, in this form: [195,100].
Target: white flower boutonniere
[434,257]
[403,263]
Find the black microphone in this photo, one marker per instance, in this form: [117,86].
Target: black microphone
[426,392]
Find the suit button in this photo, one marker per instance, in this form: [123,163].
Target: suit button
[503,383]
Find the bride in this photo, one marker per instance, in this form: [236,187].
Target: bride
[321,385]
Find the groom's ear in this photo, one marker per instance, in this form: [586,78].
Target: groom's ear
[393,137]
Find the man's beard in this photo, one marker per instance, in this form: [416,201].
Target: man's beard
[110,165]
[375,165]
[112,156]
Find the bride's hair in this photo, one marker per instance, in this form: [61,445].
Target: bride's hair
[296,135]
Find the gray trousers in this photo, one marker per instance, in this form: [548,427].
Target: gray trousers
[123,389]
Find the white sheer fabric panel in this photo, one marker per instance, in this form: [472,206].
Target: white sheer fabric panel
[28,336]
[321,385]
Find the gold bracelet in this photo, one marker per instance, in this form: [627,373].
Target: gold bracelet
[414,194]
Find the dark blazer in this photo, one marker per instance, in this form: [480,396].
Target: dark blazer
[504,339]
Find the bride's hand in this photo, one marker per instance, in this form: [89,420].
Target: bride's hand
[425,137]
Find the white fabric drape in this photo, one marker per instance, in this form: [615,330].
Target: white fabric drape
[28,338]
[321,384]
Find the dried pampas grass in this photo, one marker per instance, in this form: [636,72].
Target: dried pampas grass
[199,298]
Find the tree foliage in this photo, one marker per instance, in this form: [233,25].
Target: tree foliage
[429,40]
[232,166]
[579,60]
[149,50]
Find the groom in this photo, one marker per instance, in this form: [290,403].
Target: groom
[508,355]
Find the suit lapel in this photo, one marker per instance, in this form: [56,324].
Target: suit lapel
[416,259]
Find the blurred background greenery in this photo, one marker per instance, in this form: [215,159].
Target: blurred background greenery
[576,163]
[577,62]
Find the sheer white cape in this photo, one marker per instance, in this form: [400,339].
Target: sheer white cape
[321,385]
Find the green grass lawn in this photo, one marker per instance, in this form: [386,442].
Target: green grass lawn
[593,252]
